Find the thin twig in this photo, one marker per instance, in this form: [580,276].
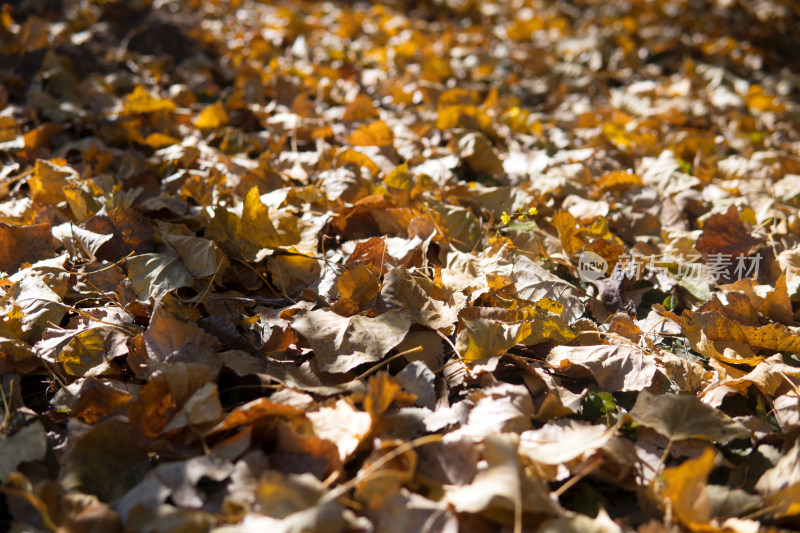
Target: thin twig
[383,460]
[591,467]
[387,361]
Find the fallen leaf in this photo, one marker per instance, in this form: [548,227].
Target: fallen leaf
[680,417]
[725,234]
[153,275]
[360,109]
[341,344]
[343,425]
[481,339]
[500,484]
[711,334]
[24,244]
[685,487]
[375,133]
[27,444]
[402,292]
[618,367]
[212,116]
[140,101]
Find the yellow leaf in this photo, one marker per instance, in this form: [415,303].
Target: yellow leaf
[448,117]
[470,117]
[400,178]
[81,201]
[547,324]
[436,69]
[619,180]
[40,136]
[325,132]
[359,159]
[568,231]
[358,284]
[373,134]
[757,99]
[521,30]
[84,352]
[159,140]
[140,101]
[617,135]
[213,116]
[382,390]
[258,223]
[456,97]
[714,335]
[401,98]
[785,502]
[685,487]
[48,181]
[483,338]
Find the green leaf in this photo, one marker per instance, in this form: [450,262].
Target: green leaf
[522,226]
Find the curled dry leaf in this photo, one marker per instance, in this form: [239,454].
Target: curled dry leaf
[714,335]
[620,367]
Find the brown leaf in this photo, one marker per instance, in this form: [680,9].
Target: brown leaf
[360,109]
[402,292]
[135,229]
[24,244]
[501,483]
[568,231]
[97,401]
[381,484]
[27,444]
[357,283]
[477,152]
[563,442]
[160,400]
[341,344]
[375,133]
[105,460]
[685,417]
[725,234]
[253,411]
[153,275]
[619,367]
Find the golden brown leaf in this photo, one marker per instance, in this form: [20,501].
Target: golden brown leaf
[360,109]
[24,244]
[375,133]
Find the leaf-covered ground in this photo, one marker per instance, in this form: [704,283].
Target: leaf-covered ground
[420,266]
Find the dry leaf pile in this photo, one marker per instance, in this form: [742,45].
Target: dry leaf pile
[310,266]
